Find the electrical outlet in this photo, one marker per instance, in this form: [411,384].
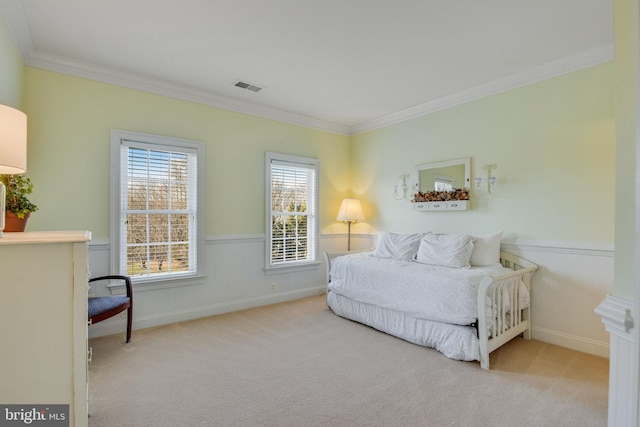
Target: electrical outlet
[273,286]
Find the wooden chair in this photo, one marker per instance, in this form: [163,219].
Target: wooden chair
[101,308]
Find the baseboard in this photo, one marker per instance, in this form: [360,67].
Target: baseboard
[572,277]
[572,342]
[118,325]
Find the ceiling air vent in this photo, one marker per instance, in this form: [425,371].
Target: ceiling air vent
[248,86]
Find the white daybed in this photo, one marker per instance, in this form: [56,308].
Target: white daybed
[463,299]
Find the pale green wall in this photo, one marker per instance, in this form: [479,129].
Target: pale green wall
[627,128]
[553,143]
[11,67]
[69,138]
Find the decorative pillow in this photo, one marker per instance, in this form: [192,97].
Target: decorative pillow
[398,246]
[448,250]
[486,249]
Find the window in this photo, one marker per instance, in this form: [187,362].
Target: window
[156,216]
[291,211]
[443,183]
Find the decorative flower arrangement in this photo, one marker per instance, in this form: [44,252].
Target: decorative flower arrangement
[441,196]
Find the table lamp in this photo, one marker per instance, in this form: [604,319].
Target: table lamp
[13,149]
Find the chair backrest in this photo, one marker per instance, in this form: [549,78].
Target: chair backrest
[104,307]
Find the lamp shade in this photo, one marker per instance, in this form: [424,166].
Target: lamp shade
[350,211]
[13,140]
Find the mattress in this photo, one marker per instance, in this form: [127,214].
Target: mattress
[420,291]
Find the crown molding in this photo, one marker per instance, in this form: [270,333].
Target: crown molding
[13,12]
[143,83]
[15,18]
[138,82]
[599,55]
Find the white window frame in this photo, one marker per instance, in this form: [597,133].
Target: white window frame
[120,138]
[313,208]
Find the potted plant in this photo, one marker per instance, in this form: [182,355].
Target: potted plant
[18,207]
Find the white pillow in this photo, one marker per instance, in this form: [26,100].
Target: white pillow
[486,249]
[448,250]
[398,246]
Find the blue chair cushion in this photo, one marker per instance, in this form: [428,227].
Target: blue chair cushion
[98,305]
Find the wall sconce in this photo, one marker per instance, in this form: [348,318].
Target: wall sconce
[401,195]
[13,149]
[491,181]
[350,211]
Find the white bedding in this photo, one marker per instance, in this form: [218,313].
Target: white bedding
[409,287]
[454,341]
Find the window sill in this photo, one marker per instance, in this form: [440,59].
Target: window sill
[269,271]
[152,284]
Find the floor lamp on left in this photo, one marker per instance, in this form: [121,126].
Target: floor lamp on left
[350,212]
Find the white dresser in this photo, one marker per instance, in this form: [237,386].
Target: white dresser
[43,320]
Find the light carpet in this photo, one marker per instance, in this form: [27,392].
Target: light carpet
[298,364]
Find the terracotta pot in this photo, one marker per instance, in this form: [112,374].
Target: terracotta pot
[13,223]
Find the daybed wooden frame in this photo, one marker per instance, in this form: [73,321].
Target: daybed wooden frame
[504,326]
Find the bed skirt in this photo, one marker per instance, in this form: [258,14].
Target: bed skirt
[454,341]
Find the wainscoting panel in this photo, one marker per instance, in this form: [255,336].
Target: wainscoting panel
[573,278]
[234,279]
[571,282]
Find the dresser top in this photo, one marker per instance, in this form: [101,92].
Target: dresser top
[45,237]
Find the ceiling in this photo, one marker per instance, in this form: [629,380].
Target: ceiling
[346,66]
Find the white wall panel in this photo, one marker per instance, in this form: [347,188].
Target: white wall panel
[234,280]
[571,282]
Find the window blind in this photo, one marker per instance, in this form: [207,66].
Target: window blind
[293,209]
[158,210]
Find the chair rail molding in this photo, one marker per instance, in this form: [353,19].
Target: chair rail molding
[574,278]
